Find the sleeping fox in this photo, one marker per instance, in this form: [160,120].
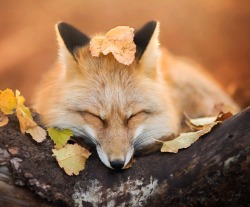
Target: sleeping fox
[123,108]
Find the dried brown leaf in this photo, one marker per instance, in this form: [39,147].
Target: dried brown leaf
[37,133]
[185,139]
[118,41]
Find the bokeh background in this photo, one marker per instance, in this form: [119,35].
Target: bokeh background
[215,33]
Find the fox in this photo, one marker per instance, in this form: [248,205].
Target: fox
[123,109]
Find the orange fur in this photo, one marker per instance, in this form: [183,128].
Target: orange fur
[124,108]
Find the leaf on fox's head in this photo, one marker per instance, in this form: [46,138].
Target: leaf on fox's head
[7,101]
[71,158]
[119,41]
[60,137]
[3,119]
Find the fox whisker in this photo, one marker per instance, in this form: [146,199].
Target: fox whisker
[78,131]
[156,133]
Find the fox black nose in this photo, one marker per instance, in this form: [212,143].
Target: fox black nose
[117,164]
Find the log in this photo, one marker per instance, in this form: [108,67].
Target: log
[214,171]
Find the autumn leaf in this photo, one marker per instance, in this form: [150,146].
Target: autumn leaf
[60,137]
[71,158]
[223,116]
[199,123]
[119,41]
[185,139]
[37,133]
[8,101]
[3,119]
[23,114]
[26,121]
[203,125]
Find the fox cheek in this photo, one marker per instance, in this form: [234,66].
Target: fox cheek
[90,131]
[103,156]
[138,132]
[129,156]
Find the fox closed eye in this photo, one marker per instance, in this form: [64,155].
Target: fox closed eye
[135,114]
[141,115]
[91,117]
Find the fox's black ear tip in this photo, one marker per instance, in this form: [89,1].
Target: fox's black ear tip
[152,22]
[71,36]
[59,24]
[151,25]
[143,36]
[63,25]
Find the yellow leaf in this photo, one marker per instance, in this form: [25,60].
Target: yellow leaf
[23,114]
[3,119]
[26,121]
[8,101]
[71,158]
[199,123]
[37,133]
[60,137]
[185,139]
[119,41]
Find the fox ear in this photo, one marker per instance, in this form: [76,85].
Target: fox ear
[147,44]
[70,37]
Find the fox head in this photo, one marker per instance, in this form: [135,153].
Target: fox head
[117,107]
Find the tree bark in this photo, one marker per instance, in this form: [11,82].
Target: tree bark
[214,171]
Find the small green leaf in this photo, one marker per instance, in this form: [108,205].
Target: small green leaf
[60,137]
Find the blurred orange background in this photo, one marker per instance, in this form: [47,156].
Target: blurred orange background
[214,33]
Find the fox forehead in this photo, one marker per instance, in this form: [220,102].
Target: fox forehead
[109,98]
[103,83]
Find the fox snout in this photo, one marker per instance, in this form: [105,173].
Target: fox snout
[117,164]
[115,159]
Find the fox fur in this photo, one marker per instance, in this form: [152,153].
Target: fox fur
[120,108]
